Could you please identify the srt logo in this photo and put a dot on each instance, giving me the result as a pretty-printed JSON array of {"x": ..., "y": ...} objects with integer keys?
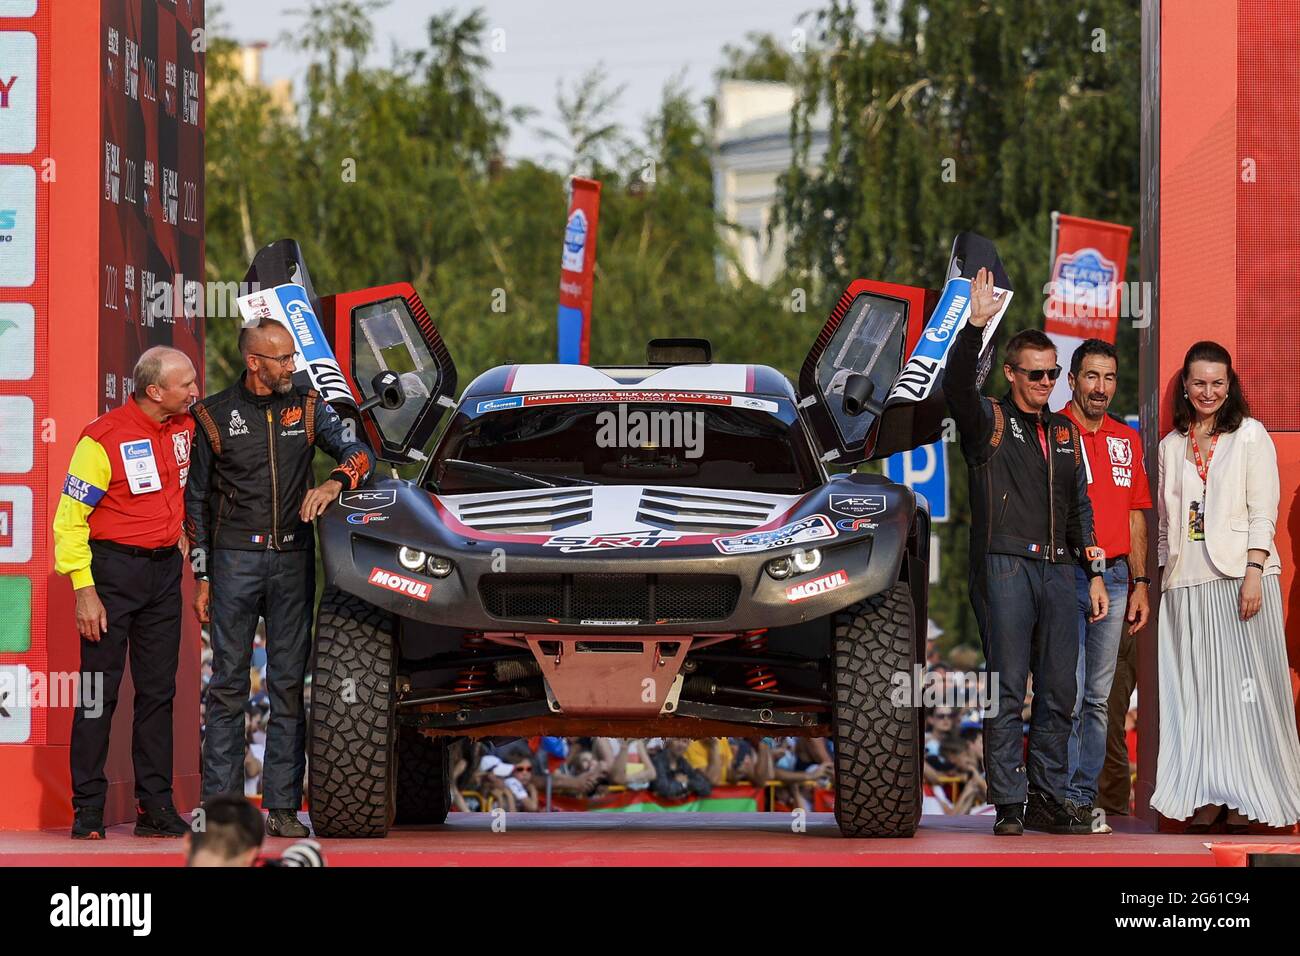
[
  {"x": 5, "y": 87},
  {"x": 570, "y": 543}
]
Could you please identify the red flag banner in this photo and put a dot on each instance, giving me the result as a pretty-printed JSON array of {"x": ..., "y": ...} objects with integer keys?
[
  {"x": 577, "y": 265},
  {"x": 1084, "y": 294}
]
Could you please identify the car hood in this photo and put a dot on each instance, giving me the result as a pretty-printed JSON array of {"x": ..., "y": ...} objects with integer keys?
[{"x": 607, "y": 509}]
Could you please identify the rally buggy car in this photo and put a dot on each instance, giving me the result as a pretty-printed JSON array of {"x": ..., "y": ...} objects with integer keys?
[{"x": 655, "y": 550}]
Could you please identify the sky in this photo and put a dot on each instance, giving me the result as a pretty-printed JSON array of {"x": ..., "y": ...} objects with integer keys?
[{"x": 642, "y": 43}]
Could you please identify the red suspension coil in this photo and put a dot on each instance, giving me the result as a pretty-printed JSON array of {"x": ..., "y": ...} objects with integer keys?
[
  {"x": 759, "y": 676},
  {"x": 473, "y": 676}
]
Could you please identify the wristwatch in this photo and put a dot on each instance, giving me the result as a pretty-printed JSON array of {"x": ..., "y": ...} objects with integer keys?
[{"x": 1142, "y": 579}]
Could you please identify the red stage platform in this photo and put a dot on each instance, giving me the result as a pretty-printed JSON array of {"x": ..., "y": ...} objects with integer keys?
[{"x": 669, "y": 839}]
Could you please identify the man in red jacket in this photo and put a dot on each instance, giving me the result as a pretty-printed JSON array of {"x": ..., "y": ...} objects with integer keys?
[{"x": 117, "y": 532}]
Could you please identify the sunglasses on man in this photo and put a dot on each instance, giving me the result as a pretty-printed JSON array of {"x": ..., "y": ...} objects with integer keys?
[{"x": 1036, "y": 374}]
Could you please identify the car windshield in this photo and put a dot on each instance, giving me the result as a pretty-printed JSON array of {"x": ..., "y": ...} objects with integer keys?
[{"x": 608, "y": 443}]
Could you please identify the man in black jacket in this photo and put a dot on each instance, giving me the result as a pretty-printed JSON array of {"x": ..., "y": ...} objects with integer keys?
[
  {"x": 1031, "y": 524},
  {"x": 249, "y": 506}
]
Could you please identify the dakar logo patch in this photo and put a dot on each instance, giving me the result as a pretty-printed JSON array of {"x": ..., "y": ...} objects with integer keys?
[
  {"x": 237, "y": 424},
  {"x": 291, "y": 416}
]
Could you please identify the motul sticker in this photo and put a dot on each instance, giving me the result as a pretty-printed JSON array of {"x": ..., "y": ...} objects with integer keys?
[
  {"x": 399, "y": 583},
  {"x": 827, "y": 582}
]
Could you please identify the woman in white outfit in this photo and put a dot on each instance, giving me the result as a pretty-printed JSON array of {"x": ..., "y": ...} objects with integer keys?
[{"x": 1228, "y": 746}]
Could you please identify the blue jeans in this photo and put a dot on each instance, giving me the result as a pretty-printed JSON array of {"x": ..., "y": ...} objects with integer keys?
[
  {"x": 1026, "y": 621},
  {"x": 1098, "y": 652}
]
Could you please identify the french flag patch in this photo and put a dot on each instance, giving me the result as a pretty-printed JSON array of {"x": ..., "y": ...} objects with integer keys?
[
  {"x": 261, "y": 538},
  {"x": 1035, "y": 548}
]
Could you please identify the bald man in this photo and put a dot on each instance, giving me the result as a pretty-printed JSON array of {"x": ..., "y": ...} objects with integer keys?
[
  {"x": 117, "y": 533},
  {"x": 249, "y": 509}
]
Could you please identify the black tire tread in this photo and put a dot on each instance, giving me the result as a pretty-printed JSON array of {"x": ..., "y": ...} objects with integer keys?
[
  {"x": 352, "y": 750},
  {"x": 877, "y": 745},
  {"x": 423, "y": 779}
]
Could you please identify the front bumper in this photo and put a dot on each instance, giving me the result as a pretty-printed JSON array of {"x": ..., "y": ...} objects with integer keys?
[{"x": 854, "y": 566}]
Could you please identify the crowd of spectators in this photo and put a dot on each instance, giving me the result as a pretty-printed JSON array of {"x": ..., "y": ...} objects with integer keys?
[{"x": 523, "y": 775}]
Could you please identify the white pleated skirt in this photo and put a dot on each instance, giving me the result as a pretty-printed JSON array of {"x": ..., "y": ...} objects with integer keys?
[{"x": 1227, "y": 717}]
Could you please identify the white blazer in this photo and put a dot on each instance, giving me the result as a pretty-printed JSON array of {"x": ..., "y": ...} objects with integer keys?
[{"x": 1241, "y": 500}]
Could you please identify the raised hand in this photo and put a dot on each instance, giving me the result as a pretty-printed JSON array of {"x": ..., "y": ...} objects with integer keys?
[{"x": 983, "y": 300}]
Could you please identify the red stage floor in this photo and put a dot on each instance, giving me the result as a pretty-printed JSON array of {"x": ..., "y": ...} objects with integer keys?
[{"x": 668, "y": 839}]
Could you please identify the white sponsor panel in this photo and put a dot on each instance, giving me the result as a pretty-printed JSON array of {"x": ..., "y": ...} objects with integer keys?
[
  {"x": 17, "y": 341},
  {"x": 17, "y": 226},
  {"x": 15, "y": 524},
  {"x": 15, "y": 704},
  {"x": 812, "y": 528},
  {"x": 17, "y": 92},
  {"x": 808, "y": 589},
  {"x": 16, "y": 422},
  {"x": 17, "y": 8}
]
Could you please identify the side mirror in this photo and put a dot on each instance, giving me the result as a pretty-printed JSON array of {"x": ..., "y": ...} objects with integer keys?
[
  {"x": 388, "y": 393},
  {"x": 858, "y": 390}
]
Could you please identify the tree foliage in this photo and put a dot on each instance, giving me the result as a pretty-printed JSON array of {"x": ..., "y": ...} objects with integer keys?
[{"x": 395, "y": 171}]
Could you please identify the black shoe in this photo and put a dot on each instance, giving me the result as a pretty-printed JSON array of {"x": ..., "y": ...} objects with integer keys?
[
  {"x": 88, "y": 823},
  {"x": 1096, "y": 820},
  {"x": 285, "y": 823},
  {"x": 1010, "y": 821},
  {"x": 1048, "y": 815},
  {"x": 162, "y": 822}
]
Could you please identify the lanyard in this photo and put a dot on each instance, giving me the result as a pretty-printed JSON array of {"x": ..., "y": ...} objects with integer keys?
[{"x": 1202, "y": 467}]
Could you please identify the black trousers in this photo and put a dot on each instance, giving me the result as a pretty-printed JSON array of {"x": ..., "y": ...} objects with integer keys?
[
  {"x": 142, "y": 599},
  {"x": 278, "y": 586},
  {"x": 1027, "y": 615}
]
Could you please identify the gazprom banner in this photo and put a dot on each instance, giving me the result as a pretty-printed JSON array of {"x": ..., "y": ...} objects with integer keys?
[
  {"x": 289, "y": 305},
  {"x": 577, "y": 263}
]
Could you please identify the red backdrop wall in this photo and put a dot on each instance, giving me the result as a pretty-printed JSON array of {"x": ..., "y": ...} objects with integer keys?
[
  {"x": 121, "y": 112},
  {"x": 1223, "y": 214}
]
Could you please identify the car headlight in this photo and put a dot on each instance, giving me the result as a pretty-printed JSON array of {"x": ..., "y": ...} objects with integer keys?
[
  {"x": 805, "y": 561},
  {"x": 780, "y": 568},
  {"x": 439, "y": 566},
  {"x": 411, "y": 559}
]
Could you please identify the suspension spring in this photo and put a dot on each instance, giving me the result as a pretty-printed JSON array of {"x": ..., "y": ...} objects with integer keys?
[
  {"x": 473, "y": 676},
  {"x": 759, "y": 676}
]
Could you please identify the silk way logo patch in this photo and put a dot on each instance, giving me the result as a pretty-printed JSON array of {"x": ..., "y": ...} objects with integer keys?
[
  {"x": 575, "y": 242},
  {"x": 1085, "y": 277}
]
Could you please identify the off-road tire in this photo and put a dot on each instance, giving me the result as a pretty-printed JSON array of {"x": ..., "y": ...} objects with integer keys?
[
  {"x": 352, "y": 735},
  {"x": 878, "y": 745},
  {"x": 423, "y": 778}
]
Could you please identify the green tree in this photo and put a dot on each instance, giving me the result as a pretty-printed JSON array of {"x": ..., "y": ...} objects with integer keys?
[{"x": 982, "y": 116}]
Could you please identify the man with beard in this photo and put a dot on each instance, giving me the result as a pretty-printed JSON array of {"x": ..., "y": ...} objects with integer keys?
[
  {"x": 249, "y": 508},
  {"x": 1118, "y": 490}
]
